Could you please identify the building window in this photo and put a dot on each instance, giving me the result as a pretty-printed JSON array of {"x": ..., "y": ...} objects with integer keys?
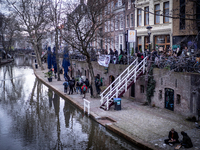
[
  {"x": 112, "y": 6},
  {"x": 108, "y": 8},
  {"x": 131, "y": 20},
  {"x": 139, "y": 17},
  {"x": 182, "y": 14},
  {"x": 121, "y": 22},
  {"x": 111, "y": 43},
  {"x": 119, "y": 2},
  {"x": 116, "y": 23},
  {"x": 160, "y": 94},
  {"x": 162, "y": 42},
  {"x": 108, "y": 24},
  {"x": 146, "y": 16},
  {"x": 178, "y": 100},
  {"x": 112, "y": 25},
  {"x": 166, "y": 12},
  {"x": 161, "y": 81},
  {"x": 139, "y": 40},
  {"x": 116, "y": 42},
  {"x": 157, "y": 12},
  {"x": 127, "y": 21},
  {"x": 120, "y": 41},
  {"x": 141, "y": 88},
  {"x": 106, "y": 28},
  {"x": 129, "y": 4},
  {"x": 105, "y": 40}
]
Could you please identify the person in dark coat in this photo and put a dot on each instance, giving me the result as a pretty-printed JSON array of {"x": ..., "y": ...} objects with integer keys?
[
  {"x": 172, "y": 137},
  {"x": 77, "y": 86},
  {"x": 87, "y": 83},
  {"x": 97, "y": 84},
  {"x": 111, "y": 55},
  {"x": 116, "y": 56},
  {"x": 186, "y": 141},
  {"x": 65, "y": 85},
  {"x": 71, "y": 85},
  {"x": 120, "y": 58}
]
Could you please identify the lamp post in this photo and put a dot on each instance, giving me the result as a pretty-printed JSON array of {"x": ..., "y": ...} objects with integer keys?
[{"x": 149, "y": 33}]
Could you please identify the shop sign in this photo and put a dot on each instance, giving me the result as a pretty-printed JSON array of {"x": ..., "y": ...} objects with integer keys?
[{"x": 132, "y": 36}]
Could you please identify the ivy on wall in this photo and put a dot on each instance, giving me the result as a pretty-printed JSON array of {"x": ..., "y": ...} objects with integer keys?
[{"x": 151, "y": 84}]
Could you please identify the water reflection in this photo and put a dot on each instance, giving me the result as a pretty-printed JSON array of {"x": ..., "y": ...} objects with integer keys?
[{"x": 32, "y": 116}]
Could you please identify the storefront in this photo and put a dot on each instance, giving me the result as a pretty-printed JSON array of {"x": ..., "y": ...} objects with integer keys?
[{"x": 162, "y": 42}]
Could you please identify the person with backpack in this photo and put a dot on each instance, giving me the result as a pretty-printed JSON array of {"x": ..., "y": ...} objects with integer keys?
[
  {"x": 87, "y": 83},
  {"x": 65, "y": 85},
  {"x": 84, "y": 89}
]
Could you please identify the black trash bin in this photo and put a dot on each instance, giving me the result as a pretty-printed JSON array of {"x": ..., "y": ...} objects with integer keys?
[{"x": 117, "y": 102}]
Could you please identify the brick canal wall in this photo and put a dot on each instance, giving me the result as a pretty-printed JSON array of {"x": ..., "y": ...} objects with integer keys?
[{"x": 185, "y": 86}]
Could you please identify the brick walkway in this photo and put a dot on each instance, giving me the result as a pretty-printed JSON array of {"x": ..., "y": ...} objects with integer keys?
[{"x": 145, "y": 126}]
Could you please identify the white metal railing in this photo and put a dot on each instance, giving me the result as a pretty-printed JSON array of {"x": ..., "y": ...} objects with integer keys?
[
  {"x": 87, "y": 104},
  {"x": 122, "y": 81}
]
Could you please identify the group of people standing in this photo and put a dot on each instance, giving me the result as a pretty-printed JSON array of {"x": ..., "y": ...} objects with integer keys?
[
  {"x": 81, "y": 86},
  {"x": 71, "y": 85},
  {"x": 115, "y": 57},
  {"x": 174, "y": 138}
]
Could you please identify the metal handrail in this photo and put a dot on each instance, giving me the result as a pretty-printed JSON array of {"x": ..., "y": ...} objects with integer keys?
[
  {"x": 127, "y": 69},
  {"x": 137, "y": 68}
]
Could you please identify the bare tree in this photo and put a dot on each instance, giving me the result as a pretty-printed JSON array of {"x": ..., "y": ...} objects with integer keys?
[
  {"x": 31, "y": 15},
  {"x": 83, "y": 26},
  {"x": 8, "y": 32},
  {"x": 56, "y": 14}
]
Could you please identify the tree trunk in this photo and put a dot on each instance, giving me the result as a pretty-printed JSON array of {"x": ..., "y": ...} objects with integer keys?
[
  {"x": 92, "y": 77},
  {"x": 57, "y": 56},
  {"x": 38, "y": 56}
]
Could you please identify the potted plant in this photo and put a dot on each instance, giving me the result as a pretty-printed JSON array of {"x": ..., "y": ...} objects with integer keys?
[{"x": 49, "y": 75}]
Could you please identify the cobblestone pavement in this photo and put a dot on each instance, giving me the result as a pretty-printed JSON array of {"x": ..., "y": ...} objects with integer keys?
[{"x": 145, "y": 126}]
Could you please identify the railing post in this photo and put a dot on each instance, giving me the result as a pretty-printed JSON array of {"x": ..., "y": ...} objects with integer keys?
[
  {"x": 128, "y": 69},
  {"x": 87, "y": 104},
  {"x": 101, "y": 101},
  {"x": 117, "y": 91},
  {"x": 143, "y": 66},
  {"x": 137, "y": 62},
  {"x": 126, "y": 85},
  {"x": 107, "y": 103},
  {"x": 135, "y": 72}
]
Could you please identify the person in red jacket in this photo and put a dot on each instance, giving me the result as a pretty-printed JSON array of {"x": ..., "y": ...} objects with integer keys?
[{"x": 84, "y": 89}]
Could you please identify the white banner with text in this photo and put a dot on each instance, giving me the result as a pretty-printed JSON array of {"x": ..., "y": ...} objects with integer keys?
[{"x": 104, "y": 60}]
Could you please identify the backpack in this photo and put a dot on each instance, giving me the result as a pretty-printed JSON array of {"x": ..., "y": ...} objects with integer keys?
[
  {"x": 71, "y": 83},
  {"x": 84, "y": 88},
  {"x": 65, "y": 84}
]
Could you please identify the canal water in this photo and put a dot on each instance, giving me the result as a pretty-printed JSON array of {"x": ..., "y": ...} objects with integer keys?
[{"x": 33, "y": 117}]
